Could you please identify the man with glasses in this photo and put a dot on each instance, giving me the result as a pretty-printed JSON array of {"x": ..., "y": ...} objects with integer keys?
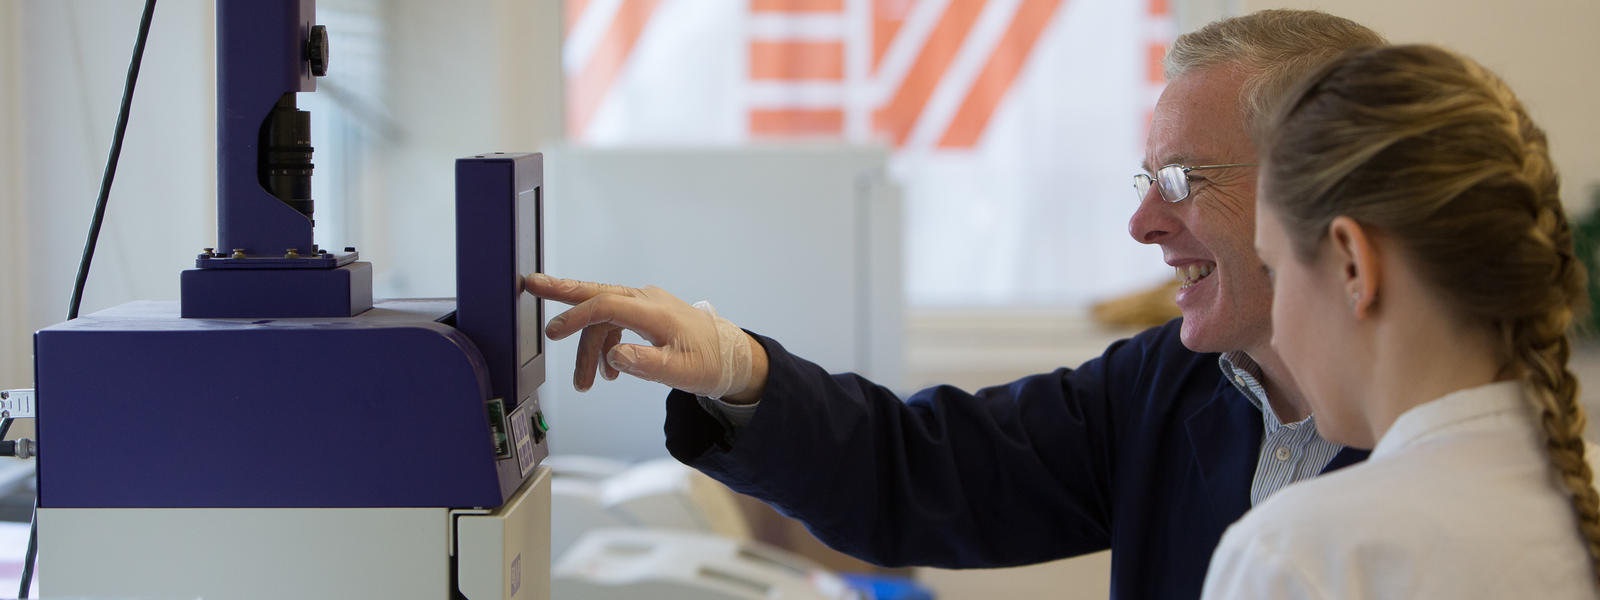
[{"x": 1151, "y": 450}]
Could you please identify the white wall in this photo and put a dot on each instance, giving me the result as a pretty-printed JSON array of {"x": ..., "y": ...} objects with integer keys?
[
  {"x": 15, "y": 345},
  {"x": 459, "y": 82},
  {"x": 1545, "y": 49},
  {"x": 73, "y": 58},
  {"x": 796, "y": 241}
]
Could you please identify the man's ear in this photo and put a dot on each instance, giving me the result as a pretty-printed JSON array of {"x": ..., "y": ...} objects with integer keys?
[{"x": 1355, "y": 254}]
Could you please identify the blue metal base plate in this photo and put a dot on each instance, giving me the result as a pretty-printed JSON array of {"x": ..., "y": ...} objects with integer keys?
[{"x": 277, "y": 293}]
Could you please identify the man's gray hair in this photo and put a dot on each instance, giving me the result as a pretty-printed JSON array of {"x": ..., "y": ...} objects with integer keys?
[{"x": 1274, "y": 48}]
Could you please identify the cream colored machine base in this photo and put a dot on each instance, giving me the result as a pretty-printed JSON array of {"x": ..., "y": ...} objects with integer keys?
[{"x": 301, "y": 553}]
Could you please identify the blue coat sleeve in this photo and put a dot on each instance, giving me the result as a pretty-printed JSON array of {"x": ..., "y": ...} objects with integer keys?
[{"x": 1010, "y": 475}]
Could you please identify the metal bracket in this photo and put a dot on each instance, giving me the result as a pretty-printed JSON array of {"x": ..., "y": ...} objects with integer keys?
[
  {"x": 322, "y": 259},
  {"x": 17, "y": 404}
]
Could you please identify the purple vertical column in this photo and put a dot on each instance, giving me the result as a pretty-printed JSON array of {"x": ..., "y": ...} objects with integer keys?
[{"x": 261, "y": 55}]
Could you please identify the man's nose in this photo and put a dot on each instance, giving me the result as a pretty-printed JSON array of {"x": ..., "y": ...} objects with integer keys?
[{"x": 1155, "y": 219}]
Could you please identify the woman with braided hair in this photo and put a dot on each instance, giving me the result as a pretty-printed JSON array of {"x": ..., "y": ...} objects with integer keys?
[{"x": 1424, "y": 281}]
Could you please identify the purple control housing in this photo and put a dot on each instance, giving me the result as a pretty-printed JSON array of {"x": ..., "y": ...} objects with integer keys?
[{"x": 500, "y": 205}]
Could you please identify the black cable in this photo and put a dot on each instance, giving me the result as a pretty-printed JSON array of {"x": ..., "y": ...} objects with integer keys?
[
  {"x": 111, "y": 162},
  {"x": 88, "y": 246},
  {"x": 33, "y": 550}
]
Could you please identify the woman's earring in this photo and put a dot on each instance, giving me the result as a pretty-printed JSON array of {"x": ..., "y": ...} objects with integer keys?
[{"x": 1355, "y": 298}]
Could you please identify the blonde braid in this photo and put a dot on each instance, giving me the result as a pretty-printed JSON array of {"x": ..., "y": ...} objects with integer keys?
[
  {"x": 1541, "y": 345},
  {"x": 1540, "y": 348}
]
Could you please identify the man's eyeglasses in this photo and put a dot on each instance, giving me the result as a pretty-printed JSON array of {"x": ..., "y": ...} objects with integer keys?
[{"x": 1173, "y": 180}]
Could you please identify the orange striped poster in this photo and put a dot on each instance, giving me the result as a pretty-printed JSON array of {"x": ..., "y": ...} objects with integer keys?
[{"x": 1015, "y": 124}]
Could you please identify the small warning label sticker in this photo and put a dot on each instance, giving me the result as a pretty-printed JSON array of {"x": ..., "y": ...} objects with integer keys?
[
  {"x": 522, "y": 436},
  {"x": 516, "y": 574}
]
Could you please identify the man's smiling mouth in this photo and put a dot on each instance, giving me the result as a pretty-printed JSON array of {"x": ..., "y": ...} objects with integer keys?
[{"x": 1193, "y": 272}]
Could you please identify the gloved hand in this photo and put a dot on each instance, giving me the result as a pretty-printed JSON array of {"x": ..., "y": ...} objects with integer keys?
[{"x": 692, "y": 349}]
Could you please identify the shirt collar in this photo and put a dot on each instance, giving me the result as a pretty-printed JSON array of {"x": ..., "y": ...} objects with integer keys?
[
  {"x": 1245, "y": 375},
  {"x": 1451, "y": 411}
]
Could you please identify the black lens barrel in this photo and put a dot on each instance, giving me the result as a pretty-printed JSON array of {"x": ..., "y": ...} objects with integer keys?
[{"x": 285, "y": 163}]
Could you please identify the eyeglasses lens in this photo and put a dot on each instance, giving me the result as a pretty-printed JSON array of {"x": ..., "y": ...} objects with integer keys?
[{"x": 1174, "y": 183}]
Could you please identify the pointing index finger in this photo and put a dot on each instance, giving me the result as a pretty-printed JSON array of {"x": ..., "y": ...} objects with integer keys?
[
  {"x": 571, "y": 291},
  {"x": 638, "y": 315}
]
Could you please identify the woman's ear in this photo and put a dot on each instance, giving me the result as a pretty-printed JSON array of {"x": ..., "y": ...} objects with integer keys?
[{"x": 1355, "y": 253}]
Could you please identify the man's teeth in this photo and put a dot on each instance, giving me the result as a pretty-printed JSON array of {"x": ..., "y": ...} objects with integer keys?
[{"x": 1193, "y": 272}]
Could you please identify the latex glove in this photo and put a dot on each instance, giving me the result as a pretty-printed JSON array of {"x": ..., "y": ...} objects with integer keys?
[{"x": 691, "y": 348}]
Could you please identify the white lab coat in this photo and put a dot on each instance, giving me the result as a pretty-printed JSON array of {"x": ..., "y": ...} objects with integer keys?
[{"x": 1456, "y": 501}]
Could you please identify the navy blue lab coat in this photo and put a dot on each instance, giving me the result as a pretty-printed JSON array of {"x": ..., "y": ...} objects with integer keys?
[{"x": 1146, "y": 450}]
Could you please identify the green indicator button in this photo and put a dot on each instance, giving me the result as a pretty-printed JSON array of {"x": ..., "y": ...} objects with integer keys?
[{"x": 538, "y": 419}]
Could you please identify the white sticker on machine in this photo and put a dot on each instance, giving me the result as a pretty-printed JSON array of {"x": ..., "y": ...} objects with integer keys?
[{"x": 522, "y": 436}]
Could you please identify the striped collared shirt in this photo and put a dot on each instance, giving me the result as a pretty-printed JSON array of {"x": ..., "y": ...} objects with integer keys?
[{"x": 1289, "y": 452}]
